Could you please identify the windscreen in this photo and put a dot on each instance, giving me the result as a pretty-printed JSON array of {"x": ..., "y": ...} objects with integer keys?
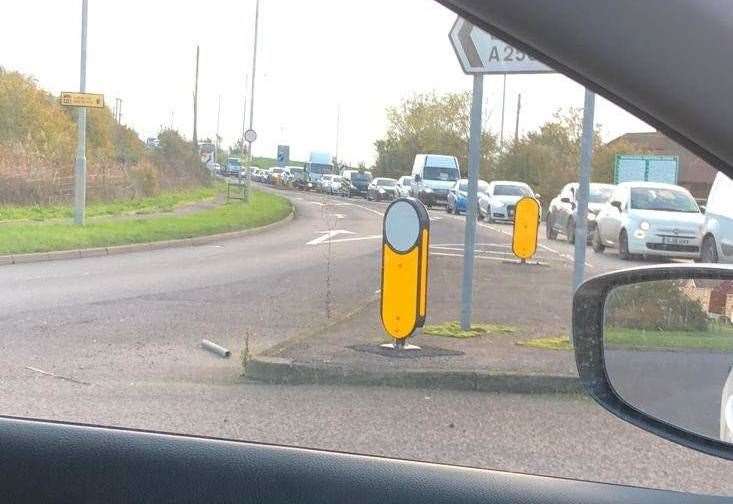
[
  {"x": 511, "y": 190},
  {"x": 662, "y": 199},
  {"x": 440, "y": 173},
  {"x": 176, "y": 298}
]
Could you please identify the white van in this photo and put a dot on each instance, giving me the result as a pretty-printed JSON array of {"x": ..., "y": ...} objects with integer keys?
[
  {"x": 432, "y": 177},
  {"x": 717, "y": 230}
]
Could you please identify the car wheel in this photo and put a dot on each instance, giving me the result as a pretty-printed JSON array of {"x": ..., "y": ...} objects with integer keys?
[
  {"x": 598, "y": 246},
  {"x": 709, "y": 250},
  {"x": 623, "y": 246},
  {"x": 488, "y": 215},
  {"x": 478, "y": 213},
  {"x": 570, "y": 231},
  {"x": 550, "y": 228},
  {"x": 447, "y": 208}
]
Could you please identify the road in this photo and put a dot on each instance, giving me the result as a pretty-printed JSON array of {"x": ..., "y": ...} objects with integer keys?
[{"x": 121, "y": 335}]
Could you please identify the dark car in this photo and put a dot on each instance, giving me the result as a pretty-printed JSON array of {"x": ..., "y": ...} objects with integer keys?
[
  {"x": 561, "y": 214},
  {"x": 382, "y": 188},
  {"x": 355, "y": 183}
]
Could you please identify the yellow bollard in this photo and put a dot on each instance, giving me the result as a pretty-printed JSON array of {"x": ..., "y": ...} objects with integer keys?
[
  {"x": 405, "y": 244},
  {"x": 526, "y": 227}
]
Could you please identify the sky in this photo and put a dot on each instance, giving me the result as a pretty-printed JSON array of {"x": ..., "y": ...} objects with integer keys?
[{"x": 317, "y": 61}]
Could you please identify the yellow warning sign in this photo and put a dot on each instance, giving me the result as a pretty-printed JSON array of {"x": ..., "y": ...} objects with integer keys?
[
  {"x": 526, "y": 226},
  {"x": 89, "y": 100}
]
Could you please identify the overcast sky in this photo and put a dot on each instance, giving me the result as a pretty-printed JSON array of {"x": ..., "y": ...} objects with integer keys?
[{"x": 313, "y": 57}]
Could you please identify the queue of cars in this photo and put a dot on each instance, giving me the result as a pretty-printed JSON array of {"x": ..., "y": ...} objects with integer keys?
[{"x": 637, "y": 218}]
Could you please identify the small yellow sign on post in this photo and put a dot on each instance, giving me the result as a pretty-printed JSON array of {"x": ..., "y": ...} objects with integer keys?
[
  {"x": 405, "y": 244},
  {"x": 88, "y": 100},
  {"x": 526, "y": 227}
]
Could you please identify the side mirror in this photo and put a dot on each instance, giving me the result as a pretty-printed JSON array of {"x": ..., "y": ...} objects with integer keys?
[
  {"x": 653, "y": 346},
  {"x": 538, "y": 196},
  {"x": 702, "y": 208},
  {"x": 418, "y": 177},
  {"x": 565, "y": 200},
  {"x": 616, "y": 204}
]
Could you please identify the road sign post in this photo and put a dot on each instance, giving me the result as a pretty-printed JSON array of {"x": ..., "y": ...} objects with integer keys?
[
  {"x": 469, "y": 241},
  {"x": 405, "y": 246},
  {"x": 586, "y": 156},
  {"x": 480, "y": 53}
]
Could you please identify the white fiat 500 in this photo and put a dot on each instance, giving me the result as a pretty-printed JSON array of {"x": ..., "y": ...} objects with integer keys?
[{"x": 650, "y": 219}]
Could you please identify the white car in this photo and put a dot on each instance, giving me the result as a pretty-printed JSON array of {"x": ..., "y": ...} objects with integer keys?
[
  {"x": 726, "y": 409},
  {"x": 333, "y": 185},
  {"x": 404, "y": 189},
  {"x": 650, "y": 218},
  {"x": 498, "y": 201},
  {"x": 717, "y": 229}
]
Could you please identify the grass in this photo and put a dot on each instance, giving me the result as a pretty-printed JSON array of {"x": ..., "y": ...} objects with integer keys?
[
  {"x": 549, "y": 343},
  {"x": 714, "y": 338},
  {"x": 164, "y": 202},
  {"x": 453, "y": 330},
  {"x": 26, "y": 237}
]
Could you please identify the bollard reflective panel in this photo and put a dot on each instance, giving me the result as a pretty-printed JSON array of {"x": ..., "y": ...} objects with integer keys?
[
  {"x": 526, "y": 226},
  {"x": 405, "y": 244}
]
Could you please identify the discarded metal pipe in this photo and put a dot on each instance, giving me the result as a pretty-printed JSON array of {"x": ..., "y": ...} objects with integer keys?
[{"x": 213, "y": 347}]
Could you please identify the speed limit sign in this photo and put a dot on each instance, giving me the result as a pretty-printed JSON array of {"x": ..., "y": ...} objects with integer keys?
[{"x": 250, "y": 135}]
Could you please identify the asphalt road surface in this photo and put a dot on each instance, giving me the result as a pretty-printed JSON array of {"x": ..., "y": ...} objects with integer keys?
[{"x": 115, "y": 340}]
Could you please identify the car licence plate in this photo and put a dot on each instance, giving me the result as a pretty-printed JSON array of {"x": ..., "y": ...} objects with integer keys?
[{"x": 675, "y": 241}]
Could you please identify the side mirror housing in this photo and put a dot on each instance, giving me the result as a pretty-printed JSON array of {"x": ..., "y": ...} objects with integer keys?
[
  {"x": 616, "y": 204},
  {"x": 702, "y": 208},
  {"x": 677, "y": 385},
  {"x": 418, "y": 177},
  {"x": 565, "y": 200}
]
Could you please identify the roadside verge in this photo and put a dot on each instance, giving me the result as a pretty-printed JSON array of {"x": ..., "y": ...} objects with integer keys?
[{"x": 76, "y": 253}]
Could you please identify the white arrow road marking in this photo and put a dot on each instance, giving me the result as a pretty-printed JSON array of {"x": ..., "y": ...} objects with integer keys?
[
  {"x": 339, "y": 216},
  {"x": 327, "y": 235}
]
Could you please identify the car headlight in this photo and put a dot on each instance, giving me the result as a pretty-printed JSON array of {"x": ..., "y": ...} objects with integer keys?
[
  {"x": 427, "y": 190},
  {"x": 591, "y": 216},
  {"x": 381, "y": 190},
  {"x": 499, "y": 204},
  {"x": 644, "y": 226}
]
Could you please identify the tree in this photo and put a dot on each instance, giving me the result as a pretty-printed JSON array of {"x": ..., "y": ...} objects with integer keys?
[
  {"x": 429, "y": 123},
  {"x": 549, "y": 158}
]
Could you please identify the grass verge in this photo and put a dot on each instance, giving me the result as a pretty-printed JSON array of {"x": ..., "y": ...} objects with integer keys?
[
  {"x": 720, "y": 339},
  {"x": 164, "y": 202},
  {"x": 453, "y": 330},
  {"x": 26, "y": 237}
]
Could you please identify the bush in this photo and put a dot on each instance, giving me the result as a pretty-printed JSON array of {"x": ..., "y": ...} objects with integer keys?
[{"x": 659, "y": 305}]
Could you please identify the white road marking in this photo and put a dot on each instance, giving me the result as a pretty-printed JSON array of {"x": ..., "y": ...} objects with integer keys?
[
  {"x": 341, "y": 240},
  {"x": 339, "y": 216},
  {"x": 446, "y": 254},
  {"x": 366, "y": 208},
  {"x": 327, "y": 235},
  {"x": 317, "y": 203}
]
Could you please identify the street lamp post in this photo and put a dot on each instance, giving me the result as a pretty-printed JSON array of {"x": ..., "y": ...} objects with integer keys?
[{"x": 80, "y": 165}]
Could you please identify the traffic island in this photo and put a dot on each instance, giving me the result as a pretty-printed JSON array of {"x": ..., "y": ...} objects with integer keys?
[{"x": 348, "y": 353}]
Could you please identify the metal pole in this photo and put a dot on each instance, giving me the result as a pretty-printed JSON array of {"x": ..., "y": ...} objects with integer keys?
[
  {"x": 338, "y": 128},
  {"x": 196, "y": 103},
  {"x": 503, "y": 105},
  {"x": 474, "y": 155},
  {"x": 581, "y": 220},
  {"x": 218, "y": 117},
  {"x": 516, "y": 126},
  {"x": 80, "y": 167},
  {"x": 252, "y": 95}
]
